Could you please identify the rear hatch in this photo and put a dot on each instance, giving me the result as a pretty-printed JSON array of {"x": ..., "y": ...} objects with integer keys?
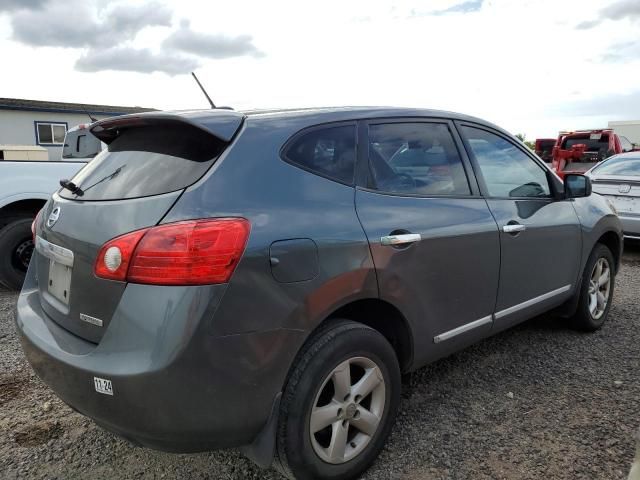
[
  {"x": 150, "y": 160},
  {"x": 624, "y": 192}
]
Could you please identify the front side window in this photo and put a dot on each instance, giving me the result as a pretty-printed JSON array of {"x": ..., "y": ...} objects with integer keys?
[
  {"x": 329, "y": 152},
  {"x": 50, "y": 133},
  {"x": 415, "y": 159},
  {"x": 507, "y": 170}
]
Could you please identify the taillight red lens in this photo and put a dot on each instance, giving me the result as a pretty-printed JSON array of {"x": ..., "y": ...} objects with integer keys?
[
  {"x": 108, "y": 265},
  {"x": 34, "y": 224},
  {"x": 196, "y": 252}
]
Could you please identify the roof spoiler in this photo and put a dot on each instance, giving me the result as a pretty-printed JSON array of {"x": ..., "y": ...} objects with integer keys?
[{"x": 222, "y": 124}]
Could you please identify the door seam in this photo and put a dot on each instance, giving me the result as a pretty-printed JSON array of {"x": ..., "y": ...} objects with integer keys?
[{"x": 373, "y": 262}]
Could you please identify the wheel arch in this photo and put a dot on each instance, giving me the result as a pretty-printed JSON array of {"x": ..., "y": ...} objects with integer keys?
[
  {"x": 383, "y": 317},
  {"x": 23, "y": 206},
  {"x": 613, "y": 242}
]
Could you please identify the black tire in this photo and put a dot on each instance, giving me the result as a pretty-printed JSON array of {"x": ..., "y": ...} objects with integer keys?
[
  {"x": 16, "y": 245},
  {"x": 340, "y": 341},
  {"x": 583, "y": 319}
]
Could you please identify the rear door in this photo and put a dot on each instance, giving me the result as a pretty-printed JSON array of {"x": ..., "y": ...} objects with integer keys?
[
  {"x": 129, "y": 186},
  {"x": 540, "y": 237},
  {"x": 434, "y": 242}
]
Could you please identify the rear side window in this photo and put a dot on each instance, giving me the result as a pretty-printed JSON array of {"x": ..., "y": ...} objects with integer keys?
[
  {"x": 147, "y": 160},
  {"x": 329, "y": 152},
  {"x": 416, "y": 159}
]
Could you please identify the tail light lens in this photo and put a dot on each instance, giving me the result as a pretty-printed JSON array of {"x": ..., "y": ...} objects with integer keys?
[
  {"x": 196, "y": 252},
  {"x": 34, "y": 224},
  {"x": 115, "y": 256}
]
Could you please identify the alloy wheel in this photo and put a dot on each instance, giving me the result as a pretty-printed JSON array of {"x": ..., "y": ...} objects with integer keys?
[
  {"x": 599, "y": 288},
  {"x": 347, "y": 410}
]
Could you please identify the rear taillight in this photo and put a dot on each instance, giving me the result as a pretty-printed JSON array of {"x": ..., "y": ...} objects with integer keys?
[
  {"x": 195, "y": 252},
  {"x": 34, "y": 224},
  {"x": 115, "y": 256}
]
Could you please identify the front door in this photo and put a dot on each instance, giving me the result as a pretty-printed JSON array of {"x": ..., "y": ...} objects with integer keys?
[
  {"x": 434, "y": 241},
  {"x": 540, "y": 237}
]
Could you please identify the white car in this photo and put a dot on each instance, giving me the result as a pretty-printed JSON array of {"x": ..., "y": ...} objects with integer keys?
[{"x": 618, "y": 179}]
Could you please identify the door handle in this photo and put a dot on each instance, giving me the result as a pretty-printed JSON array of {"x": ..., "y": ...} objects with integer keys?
[
  {"x": 514, "y": 228},
  {"x": 402, "y": 239}
]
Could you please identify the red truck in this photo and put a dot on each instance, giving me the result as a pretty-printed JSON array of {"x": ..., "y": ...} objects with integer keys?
[{"x": 578, "y": 151}]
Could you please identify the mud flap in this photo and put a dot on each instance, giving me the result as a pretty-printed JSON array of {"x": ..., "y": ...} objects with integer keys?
[{"x": 263, "y": 448}]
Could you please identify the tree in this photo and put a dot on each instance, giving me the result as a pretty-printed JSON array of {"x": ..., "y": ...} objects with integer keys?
[{"x": 523, "y": 138}]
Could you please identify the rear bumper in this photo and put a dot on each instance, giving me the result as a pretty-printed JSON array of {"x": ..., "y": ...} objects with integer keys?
[
  {"x": 630, "y": 226},
  {"x": 176, "y": 387}
]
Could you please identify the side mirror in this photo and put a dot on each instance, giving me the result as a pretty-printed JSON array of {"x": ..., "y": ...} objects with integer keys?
[{"x": 576, "y": 186}]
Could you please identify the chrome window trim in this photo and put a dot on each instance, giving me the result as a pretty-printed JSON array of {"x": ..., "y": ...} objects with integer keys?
[
  {"x": 531, "y": 302},
  {"x": 54, "y": 252},
  {"x": 462, "y": 329}
]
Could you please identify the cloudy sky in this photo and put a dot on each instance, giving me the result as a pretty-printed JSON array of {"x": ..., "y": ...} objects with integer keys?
[{"x": 532, "y": 66}]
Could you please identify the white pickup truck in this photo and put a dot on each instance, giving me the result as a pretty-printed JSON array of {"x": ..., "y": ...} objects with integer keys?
[{"x": 25, "y": 186}]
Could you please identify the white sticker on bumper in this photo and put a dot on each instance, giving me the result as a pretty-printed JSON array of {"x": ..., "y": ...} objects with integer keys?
[{"x": 103, "y": 386}]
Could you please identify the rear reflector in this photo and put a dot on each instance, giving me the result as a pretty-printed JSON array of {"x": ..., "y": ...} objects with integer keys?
[{"x": 195, "y": 252}]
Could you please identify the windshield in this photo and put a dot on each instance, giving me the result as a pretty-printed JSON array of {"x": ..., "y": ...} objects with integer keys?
[{"x": 620, "y": 166}]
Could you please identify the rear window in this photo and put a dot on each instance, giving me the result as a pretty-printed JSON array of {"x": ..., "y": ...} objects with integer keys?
[
  {"x": 620, "y": 166},
  {"x": 329, "y": 152},
  {"x": 80, "y": 144},
  {"x": 594, "y": 142},
  {"x": 147, "y": 160}
]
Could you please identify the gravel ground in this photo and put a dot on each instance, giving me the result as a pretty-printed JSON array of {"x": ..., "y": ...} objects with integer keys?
[{"x": 539, "y": 401}]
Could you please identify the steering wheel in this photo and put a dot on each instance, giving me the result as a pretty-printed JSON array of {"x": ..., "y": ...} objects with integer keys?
[{"x": 406, "y": 180}]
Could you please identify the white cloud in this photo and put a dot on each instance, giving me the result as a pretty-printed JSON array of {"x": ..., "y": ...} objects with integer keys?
[
  {"x": 75, "y": 24},
  {"x": 522, "y": 65},
  {"x": 13, "y": 5},
  {"x": 135, "y": 60},
  {"x": 210, "y": 45},
  {"x": 619, "y": 10}
]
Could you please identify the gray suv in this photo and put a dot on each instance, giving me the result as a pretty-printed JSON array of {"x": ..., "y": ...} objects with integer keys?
[{"x": 262, "y": 279}]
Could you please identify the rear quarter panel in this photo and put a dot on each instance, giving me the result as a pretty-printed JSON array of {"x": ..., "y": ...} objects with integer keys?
[{"x": 282, "y": 202}]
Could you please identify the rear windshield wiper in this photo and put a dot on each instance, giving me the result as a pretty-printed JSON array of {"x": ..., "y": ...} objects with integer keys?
[
  {"x": 76, "y": 190},
  {"x": 72, "y": 187}
]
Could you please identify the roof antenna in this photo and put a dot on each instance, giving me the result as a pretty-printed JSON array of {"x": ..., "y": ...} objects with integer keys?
[
  {"x": 89, "y": 115},
  {"x": 203, "y": 90}
]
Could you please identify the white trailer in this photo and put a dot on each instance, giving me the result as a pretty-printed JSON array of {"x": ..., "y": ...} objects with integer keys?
[
  {"x": 629, "y": 129},
  {"x": 23, "y": 152}
]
